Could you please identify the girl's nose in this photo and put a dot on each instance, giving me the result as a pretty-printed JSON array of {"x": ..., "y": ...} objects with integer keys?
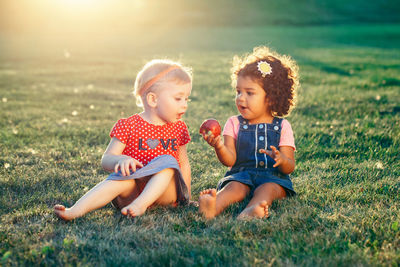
[
  {"x": 185, "y": 105},
  {"x": 240, "y": 97}
]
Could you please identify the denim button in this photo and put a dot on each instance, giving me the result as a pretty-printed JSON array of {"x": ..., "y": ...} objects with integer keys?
[
  {"x": 261, "y": 126},
  {"x": 261, "y": 138},
  {"x": 261, "y": 163},
  {"x": 245, "y": 126},
  {"x": 276, "y": 128}
]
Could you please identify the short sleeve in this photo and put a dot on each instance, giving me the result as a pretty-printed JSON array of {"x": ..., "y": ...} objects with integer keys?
[
  {"x": 121, "y": 130},
  {"x": 184, "y": 134},
  {"x": 231, "y": 127},
  {"x": 287, "y": 138}
]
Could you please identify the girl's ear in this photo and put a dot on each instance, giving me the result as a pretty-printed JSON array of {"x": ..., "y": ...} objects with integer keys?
[{"x": 151, "y": 99}]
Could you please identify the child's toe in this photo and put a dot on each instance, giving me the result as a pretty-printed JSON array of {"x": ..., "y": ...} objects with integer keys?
[
  {"x": 131, "y": 213},
  {"x": 266, "y": 211},
  {"x": 213, "y": 192},
  {"x": 124, "y": 211},
  {"x": 205, "y": 192},
  {"x": 59, "y": 207}
]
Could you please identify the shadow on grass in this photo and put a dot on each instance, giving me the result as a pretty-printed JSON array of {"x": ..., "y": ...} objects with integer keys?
[
  {"x": 393, "y": 111},
  {"x": 391, "y": 82},
  {"x": 323, "y": 66}
]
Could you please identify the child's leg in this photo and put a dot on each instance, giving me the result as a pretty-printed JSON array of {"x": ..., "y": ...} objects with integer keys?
[
  {"x": 262, "y": 199},
  {"x": 212, "y": 203},
  {"x": 160, "y": 188},
  {"x": 97, "y": 197},
  {"x": 126, "y": 198}
]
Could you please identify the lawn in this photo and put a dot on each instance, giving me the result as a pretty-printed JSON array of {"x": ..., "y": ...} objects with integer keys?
[{"x": 60, "y": 98}]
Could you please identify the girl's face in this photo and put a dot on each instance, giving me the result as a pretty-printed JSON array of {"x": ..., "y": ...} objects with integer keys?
[
  {"x": 251, "y": 101},
  {"x": 172, "y": 101}
]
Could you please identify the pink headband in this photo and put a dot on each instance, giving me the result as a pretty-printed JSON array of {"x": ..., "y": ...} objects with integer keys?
[{"x": 156, "y": 78}]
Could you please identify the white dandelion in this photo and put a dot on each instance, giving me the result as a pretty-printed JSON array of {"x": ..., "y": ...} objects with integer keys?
[
  {"x": 74, "y": 113},
  {"x": 379, "y": 165}
]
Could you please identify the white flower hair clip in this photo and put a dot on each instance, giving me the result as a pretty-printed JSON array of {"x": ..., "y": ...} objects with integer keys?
[{"x": 264, "y": 67}]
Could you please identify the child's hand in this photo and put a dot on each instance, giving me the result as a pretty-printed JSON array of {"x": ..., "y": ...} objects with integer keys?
[
  {"x": 275, "y": 155},
  {"x": 215, "y": 142},
  {"x": 126, "y": 164}
]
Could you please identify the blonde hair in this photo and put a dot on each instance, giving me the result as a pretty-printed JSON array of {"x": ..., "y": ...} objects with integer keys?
[
  {"x": 280, "y": 85},
  {"x": 180, "y": 75}
]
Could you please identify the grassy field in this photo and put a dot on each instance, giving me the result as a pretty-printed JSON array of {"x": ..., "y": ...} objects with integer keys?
[{"x": 60, "y": 99}]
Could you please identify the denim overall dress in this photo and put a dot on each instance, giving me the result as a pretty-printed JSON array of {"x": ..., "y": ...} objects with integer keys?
[{"x": 251, "y": 167}]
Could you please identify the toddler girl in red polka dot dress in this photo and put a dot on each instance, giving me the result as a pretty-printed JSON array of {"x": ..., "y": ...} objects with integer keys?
[{"x": 147, "y": 154}]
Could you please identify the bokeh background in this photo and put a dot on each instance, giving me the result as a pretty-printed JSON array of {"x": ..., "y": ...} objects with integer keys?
[
  {"x": 67, "y": 69},
  {"x": 128, "y": 27}
]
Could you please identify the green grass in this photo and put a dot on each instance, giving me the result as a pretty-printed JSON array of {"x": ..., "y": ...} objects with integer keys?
[{"x": 346, "y": 127}]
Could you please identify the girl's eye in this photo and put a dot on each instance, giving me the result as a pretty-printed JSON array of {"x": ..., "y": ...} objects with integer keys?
[{"x": 250, "y": 93}]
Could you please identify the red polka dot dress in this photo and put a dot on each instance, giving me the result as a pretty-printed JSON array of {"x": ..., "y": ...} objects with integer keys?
[{"x": 145, "y": 141}]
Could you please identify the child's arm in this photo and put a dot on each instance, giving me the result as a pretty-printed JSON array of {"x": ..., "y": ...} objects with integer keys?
[
  {"x": 226, "y": 151},
  {"x": 284, "y": 158},
  {"x": 185, "y": 168},
  {"x": 113, "y": 159}
]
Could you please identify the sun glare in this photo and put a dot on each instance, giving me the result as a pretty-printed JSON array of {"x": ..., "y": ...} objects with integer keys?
[
  {"x": 95, "y": 4},
  {"x": 78, "y": 4},
  {"x": 74, "y": 16}
]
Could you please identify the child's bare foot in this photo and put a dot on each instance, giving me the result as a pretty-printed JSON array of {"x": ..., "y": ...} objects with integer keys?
[
  {"x": 207, "y": 202},
  {"x": 259, "y": 210},
  {"x": 133, "y": 210},
  {"x": 63, "y": 213}
]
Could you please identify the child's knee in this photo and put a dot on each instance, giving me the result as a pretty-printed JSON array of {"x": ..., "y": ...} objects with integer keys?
[{"x": 169, "y": 172}]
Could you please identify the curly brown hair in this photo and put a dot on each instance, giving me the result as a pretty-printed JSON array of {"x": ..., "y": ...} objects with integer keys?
[{"x": 280, "y": 86}]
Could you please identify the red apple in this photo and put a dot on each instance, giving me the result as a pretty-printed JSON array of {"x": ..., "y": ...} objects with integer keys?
[{"x": 210, "y": 126}]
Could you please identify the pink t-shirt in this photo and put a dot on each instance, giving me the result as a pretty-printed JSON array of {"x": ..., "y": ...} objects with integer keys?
[{"x": 232, "y": 125}]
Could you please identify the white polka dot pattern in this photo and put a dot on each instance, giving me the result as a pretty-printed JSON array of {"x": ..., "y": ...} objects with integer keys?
[{"x": 145, "y": 141}]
